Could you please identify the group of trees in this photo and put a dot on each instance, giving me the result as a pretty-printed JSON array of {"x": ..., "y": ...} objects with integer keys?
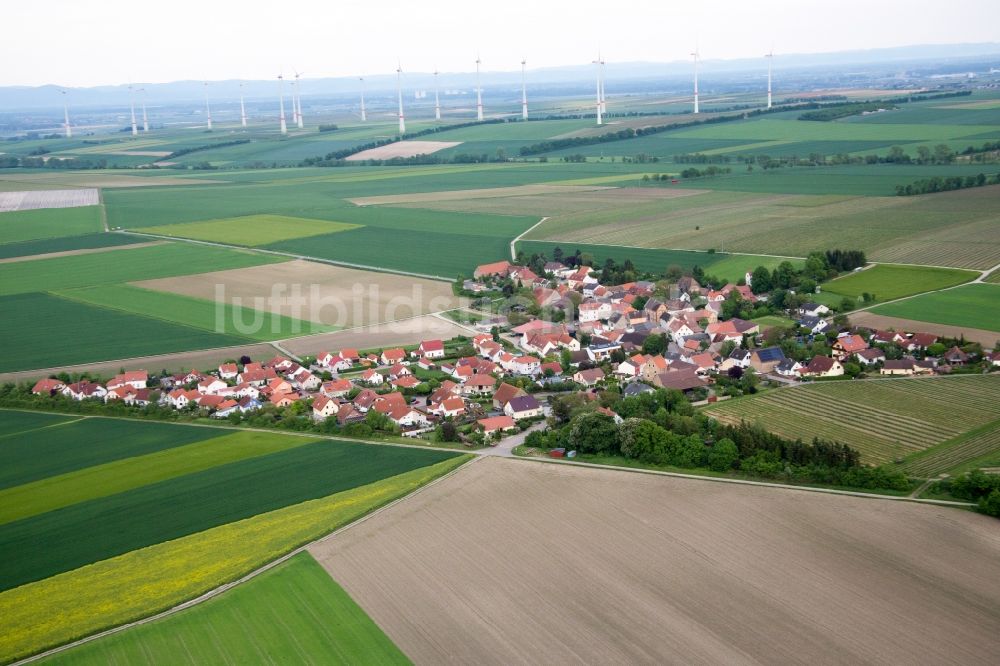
[
  {"x": 208, "y": 146},
  {"x": 946, "y": 184},
  {"x": 13, "y": 162},
  {"x": 692, "y": 172},
  {"x": 701, "y": 158},
  {"x": 662, "y": 428},
  {"x": 979, "y": 487},
  {"x": 844, "y": 110}
]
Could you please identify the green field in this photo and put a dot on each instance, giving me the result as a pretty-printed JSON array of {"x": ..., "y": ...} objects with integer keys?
[
  {"x": 66, "y": 243},
  {"x": 123, "y": 474},
  {"x": 294, "y": 613},
  {"x": 888, "y": 282},
  {"x": 24, "y": 225},
  {"x": 725, "y": 266},
  {"x": 144, "y": 263},
  {"x": 71, "y": 444},
  {"x": 251, "y": 230},
  {"x": 243, "y": 323},
  {"x": 884, "y": 420},
  {"x": 102, "y": 528},
  {"x": 972, "y": 306},
  {"x": 41, "y": 331},
  {"x": 971, "y": 450}
]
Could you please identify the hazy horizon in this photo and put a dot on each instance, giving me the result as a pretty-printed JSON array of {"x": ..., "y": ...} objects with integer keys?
[{"x": 230, "y": 40}]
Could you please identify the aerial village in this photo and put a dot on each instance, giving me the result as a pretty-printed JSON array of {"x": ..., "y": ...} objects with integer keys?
[{"x": 576, "y": 334}]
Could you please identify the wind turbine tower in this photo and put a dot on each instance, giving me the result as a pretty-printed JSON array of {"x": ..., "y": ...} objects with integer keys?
[
  {"x": 297, "y": 102},
  {"x": 364, "y": 116},
  {"x": 243, "y": 108},
  {"x": 696, "y": 57},
  {"x": 770, "y": 57},
  {"x": 479, "y": 92},
  {"x": 524, "y": 92},
  {"x": 145, "y": 118},
  {"x": 281, "y": 103},
  {"x": 399, "y": 94},
  {"x": 131, "y": 102},
  {"x": 437, "y": 96},
  {"x": 69, "y": 129},
  {"x": 600, "y": 119},
  {"x": 208, "y": 110}
]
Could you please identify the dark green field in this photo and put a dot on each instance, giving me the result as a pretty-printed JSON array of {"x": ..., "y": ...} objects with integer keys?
[
  {"x": 65, "y": 243},
  {"x": 24, "y": 225},
  {"x": 99, "y": 529},
  {"x": 28, "y": 454},
  {"x": 41, "y": 331}
]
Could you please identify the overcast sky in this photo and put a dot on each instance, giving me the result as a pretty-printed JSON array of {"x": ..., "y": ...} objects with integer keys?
[{"x": 96, "y": 42}]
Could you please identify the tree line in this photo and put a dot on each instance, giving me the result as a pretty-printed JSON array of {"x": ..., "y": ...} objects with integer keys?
[
  {"x": 946, "y": 184},
  {"x": 208, "y": 146}
]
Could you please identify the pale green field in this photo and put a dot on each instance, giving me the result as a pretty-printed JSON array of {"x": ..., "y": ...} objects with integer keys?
[{"x": 251, "y": 230}]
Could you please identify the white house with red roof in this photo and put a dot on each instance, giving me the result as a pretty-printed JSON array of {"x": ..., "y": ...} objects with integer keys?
[
  {"x": 228, "y": 371},
  {"x": 136, "y": 379},
  {"x": 372, "y": 377},
  {"x": 430, "y": 349}
]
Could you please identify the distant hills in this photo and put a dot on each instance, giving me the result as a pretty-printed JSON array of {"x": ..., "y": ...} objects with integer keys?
[{"x": 926, "y": 59}]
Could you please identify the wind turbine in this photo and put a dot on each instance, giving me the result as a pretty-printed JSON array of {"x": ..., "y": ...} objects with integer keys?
[
  {"x": 399, "y": 94},
  {"x": 208, "y": 110},
  {"x": 69, "y": 129},
  {"x": 131, "y": 102},
  {"x": 281, "y": 103},
  {"x": 696, "y": 57},
  {"x": 600, "y": 120},
  {"x": 437, "y": 96},
  {"x": 604, "y": 100},
  {"x": 297, "y": 102},
  {"x": 524, "y": 92},
  {"x": 243, "y": 108},
  {"x": 364, "y": 116},
  {"x": 770, "y": 57},
  {"x": 479, "y": 92},
  {"x": 145, "y": 118}
]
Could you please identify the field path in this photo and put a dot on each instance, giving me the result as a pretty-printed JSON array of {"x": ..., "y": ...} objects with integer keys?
[
  {"x": 512, "y": 562},
  {"x": 513, "y": 251}
]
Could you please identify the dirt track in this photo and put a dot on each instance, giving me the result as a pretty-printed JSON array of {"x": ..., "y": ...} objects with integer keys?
[
  {"x": 871, "y": 320},
  {"x": 512, "y": 561},
  {"x": 482, "y": 193}
]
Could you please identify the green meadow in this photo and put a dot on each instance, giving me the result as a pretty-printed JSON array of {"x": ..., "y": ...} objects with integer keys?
[
  {"x": 887, "y": 281},
  {"x": 972, "y": 306}
]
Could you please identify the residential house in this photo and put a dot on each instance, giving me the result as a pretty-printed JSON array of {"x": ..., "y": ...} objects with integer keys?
[
  {"x": 392, "y": 356},
  {"x": 847, "y": 345},
  {"x": 633, "y": 389},
  {"x": 813, "y": 310},
  {"x": 430, "y": 349},
  {"x": 738, "y": 358},
  {"x": 338, "y": 388},
  {"x": 84, "y": 390},
  {"x": 788, "y": 368},
  {"x": 903, "y": 366},
  {"x": 523, "y": 407},
  {"x": 686, "y": 379},
  {"x": 335, "y": 362},
  {"x": 211, "y": 385},
  {"x": 478, "y": 384},
  {"x": 505, "y": 393},
  {"x": 766, "y": 359},
  {"x": 496, "y": 424},
  {"x": 228, "y": 371},
  {"x": 48, "y": 387},
  {"x": 588, "y": 377},
  {"x": 956, "y": 356},
  {"x": 870, "y": 356},
  {"x": 813, "y": 324},
  {"x": 372, "y": 377},
  {"x": 920, "y": 341},
  {"x": 449, "y": 407},
  {"x": 822, "y": 366},
  {"x": 136, "y": 379},
  {"x": 525, "y": 365},
  {"x": 594, "y": 311},
  {"x": 497, "y": 268}
]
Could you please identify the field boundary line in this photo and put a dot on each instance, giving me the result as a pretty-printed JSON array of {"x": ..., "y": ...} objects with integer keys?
[
  {"x": 225, "y": 587},
  {"x": 44, "y": 427},
  {"x": 290, "y": 255},
  {"x": 746, "y": 482},
  {"x": 513, "y": 250}
]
